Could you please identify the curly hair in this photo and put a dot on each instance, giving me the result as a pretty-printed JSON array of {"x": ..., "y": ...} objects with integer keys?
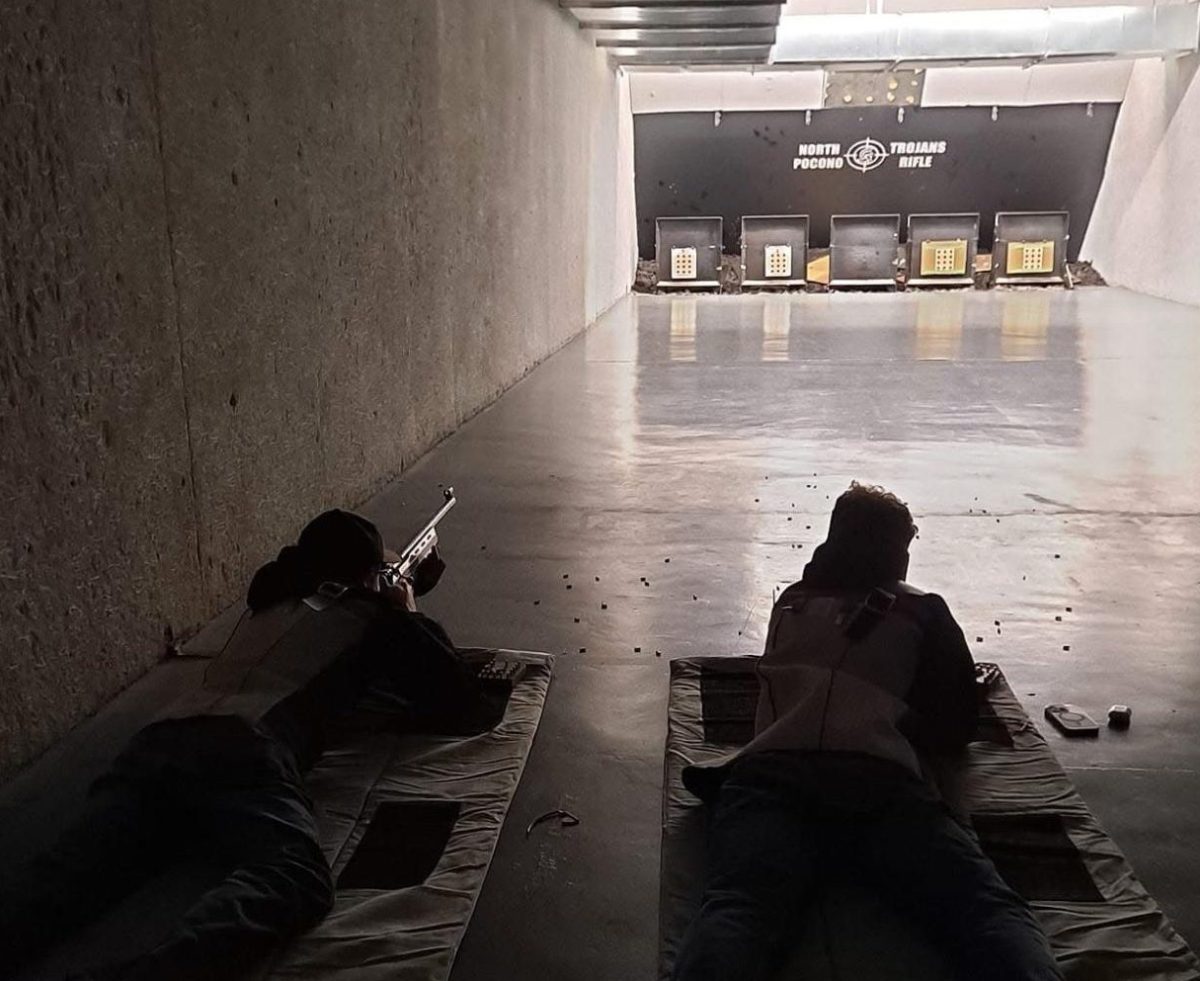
[
  {"x": 867, "y": 509},
  {"x": 869, "y": 533}
]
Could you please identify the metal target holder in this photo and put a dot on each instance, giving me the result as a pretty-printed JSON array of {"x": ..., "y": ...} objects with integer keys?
[
  {"x": 1030, "y": 247},
  {"x": 774, "y": 250},
  {"x": 688, "y": 252},
  {"x": 863, "y": 250},
  {"x": 942, "y": 249}
]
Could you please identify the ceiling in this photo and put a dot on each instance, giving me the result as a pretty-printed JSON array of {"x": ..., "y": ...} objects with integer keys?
[
  {"x": 883, "y": 35},
  {"x": 803, "y": 7},
  {"x": 668, "y": 33}
]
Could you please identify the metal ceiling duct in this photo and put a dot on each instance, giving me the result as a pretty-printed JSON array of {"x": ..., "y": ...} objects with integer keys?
[
  {"x": 681, "y": 33},
  {"x": 691, "y": 37},
  {"x": 987, "y": 37}
]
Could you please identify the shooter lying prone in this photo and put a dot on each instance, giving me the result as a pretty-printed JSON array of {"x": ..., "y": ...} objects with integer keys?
[{"x": 219, "y": 776}]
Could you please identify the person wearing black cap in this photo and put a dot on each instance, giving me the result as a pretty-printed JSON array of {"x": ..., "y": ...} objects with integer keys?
[
  {"x": 218, "y": 777},
  {"x": 860, "y": 674}
]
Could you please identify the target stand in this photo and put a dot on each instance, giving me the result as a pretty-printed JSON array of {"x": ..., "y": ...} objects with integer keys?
[
  {"x": 863, "y": 250},
  {"x": 1030, "y": 247},
  {"x": 774, "y": 250},
  {"x": 942, "y": 249},
  {"x": 688, "y": 252}
]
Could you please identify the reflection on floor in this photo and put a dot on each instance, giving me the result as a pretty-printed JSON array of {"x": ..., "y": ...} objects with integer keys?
[
  {"x": 646, "y": 489},
  {"x": 641, "y": 494}
]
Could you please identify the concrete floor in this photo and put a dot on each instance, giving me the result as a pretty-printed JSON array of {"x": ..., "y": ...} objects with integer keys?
[{"x": 1048, "y": 442}]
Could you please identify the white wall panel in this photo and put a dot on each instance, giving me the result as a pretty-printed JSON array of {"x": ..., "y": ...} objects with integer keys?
[
  {"x": 612, "y": 218},
  {"x": 726, "y": 90},
  {"x": 1144, "y": 232},
  {"x": 1040, "y": 85}
]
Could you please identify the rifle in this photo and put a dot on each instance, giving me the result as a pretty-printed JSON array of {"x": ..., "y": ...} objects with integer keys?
[{"x": 417, "y": 551}]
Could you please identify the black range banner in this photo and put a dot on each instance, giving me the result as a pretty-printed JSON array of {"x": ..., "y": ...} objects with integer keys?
[{"x": 870, "y": 161}]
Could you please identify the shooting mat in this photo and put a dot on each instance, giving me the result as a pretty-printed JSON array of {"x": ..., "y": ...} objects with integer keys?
[
  {"x": 1101, "y": 922},
  {"x": 409, "y": 824}
]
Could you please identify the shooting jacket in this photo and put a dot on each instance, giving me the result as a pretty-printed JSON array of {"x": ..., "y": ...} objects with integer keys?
[
  {"x": 907, "y": 686},
  {"x": 292, "y": 669}
]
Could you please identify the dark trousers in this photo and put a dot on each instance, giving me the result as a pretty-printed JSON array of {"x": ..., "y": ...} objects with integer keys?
[
  {"x": 209, "y": 789},
  {"x": 785, "y": 821}
]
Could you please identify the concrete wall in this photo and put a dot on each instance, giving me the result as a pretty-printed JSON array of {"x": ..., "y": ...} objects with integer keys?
[
  {"x": 1144, "y": 232},
  {"x": 257, "y": 258}
]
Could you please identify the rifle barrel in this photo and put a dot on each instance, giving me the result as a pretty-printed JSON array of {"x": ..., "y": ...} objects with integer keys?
[{"x": 413, "y": 545}]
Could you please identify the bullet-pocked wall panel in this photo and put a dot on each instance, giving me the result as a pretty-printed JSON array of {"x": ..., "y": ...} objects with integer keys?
[
  {"x": 869, "y": 161},
  {"x": 260, "y": 257}
]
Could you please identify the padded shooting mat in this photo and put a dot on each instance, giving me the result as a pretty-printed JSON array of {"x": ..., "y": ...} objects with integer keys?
[
  {"x": 409, "y": 824},
  {"x": 1102, "y": 924}
]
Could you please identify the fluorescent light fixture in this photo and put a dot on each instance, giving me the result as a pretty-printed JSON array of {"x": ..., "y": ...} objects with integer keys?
[{"x": 1024, "y": 35}]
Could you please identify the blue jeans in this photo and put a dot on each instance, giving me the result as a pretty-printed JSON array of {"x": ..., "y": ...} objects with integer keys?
[{"x": 784, "y": 821}]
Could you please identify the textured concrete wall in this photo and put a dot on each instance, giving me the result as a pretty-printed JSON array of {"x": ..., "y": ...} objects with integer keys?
[
  {"x": 1144, "y": 231},
  {"x": 257, "y": 259},
  {"x": 97, "y": 532},
  {"x": 612, "y": 230}
]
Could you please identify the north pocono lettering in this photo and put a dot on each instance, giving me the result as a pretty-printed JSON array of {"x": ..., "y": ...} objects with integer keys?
[
  {"x": 909, "y": 155},
  {"x": 819, "y": 156}
]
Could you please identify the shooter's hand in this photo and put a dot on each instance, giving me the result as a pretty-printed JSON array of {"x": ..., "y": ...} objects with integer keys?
[
  {"x": 986, "y": 674},
  {"x": 400, "y": 595},
  {"x": 428, "y": 572}
]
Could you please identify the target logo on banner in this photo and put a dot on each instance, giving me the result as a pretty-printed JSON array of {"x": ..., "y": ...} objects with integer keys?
[{"x": 866, "y": 155}]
